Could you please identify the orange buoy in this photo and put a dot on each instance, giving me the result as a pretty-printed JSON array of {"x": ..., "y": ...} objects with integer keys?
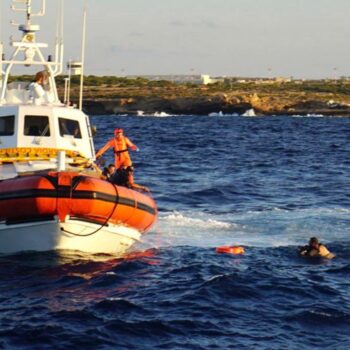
[{"x": 235, "y": 250}]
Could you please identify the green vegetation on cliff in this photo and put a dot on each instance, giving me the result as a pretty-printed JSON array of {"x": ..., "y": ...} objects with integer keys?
[{"x": 339, "y": 86}]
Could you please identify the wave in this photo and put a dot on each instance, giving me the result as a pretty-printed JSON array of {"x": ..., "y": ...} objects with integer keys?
[
  {"x": 310, "y": 115},
  {"x": 189, "y": 228},
  {"x": 163, "y": 114},
  {"x": 316, "y": 211},
  {"x": 179, "y": 219},
  {"x": 321, "y": 316},
  {"x": 274, "y": 227},
  {"x": 221, "y": 114},
  {"x": 197, "y": 290},
  {"x": 156, "y": 114},
  {"x": 249, "y": 113},
  {"x": 314, "y": 115}
]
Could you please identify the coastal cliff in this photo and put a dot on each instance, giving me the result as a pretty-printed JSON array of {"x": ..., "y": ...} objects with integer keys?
[
  {"x": 204, "y": 105},
  {"x": 315, "y": 97}
]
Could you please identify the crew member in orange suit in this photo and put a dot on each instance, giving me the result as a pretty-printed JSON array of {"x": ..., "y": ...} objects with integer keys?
[{"x": 120, "y": 144}]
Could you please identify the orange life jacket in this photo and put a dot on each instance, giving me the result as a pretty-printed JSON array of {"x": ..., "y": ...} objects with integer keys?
[{"x": 120, "y": 146}]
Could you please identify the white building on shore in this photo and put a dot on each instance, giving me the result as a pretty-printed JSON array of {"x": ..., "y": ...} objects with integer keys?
[{"x": 203, "y": 79}]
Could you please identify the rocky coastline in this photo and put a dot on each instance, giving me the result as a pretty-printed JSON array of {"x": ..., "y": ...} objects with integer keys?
[
  {"x": 204, "y": 105},
  {"x": 110, "y": 95}
]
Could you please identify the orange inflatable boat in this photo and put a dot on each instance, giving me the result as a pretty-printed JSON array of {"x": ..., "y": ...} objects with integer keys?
[{"x": 70, "y": 194}]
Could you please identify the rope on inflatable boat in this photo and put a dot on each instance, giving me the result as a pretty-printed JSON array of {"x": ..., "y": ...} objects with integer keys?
[{"x": 102, "y": 225}]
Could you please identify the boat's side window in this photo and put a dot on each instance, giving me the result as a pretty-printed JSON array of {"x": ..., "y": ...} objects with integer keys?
[
  {"x": 69, "y": 127},
  {"x": 36, "y": 125},
  {"x": 7, "y": 125}
]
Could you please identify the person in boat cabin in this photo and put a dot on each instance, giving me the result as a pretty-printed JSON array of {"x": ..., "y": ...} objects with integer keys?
[
  {"x": 120, "y": 144},
  {"x": 315, "y": 249},
  {"x": 108, "y": 173},
  {"x": 124, "y": 176},
  {"x": 37, "y": 94}
]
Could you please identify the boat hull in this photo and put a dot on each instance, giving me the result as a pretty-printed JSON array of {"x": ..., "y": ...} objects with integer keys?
[{"x": 70, "y": 235}]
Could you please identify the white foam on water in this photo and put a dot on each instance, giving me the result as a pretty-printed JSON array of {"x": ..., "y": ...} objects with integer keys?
[
  {"x": 314, "y": 115},
  {"x": 270, "y": 228},
  {"x": 188, "y": 228},
  {"x": 221, "y": 114},
  {"x": 157, "y": 114},
  {"x": 163, "y": 114},
  {"x": 310, "y": 115},
  {"x": 249, "y": 113},
  {"x": 178, "y": 219}
]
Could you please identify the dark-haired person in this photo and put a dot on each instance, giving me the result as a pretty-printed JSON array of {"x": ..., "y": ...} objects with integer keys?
[
  {"x": 124, "y": 176},
  {"x": 316, "y": 249},
  {"x": 108, "y": 173}
]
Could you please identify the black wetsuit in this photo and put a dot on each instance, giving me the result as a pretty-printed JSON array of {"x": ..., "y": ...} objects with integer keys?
[
  {"x": 121, "y": 178},
  {"x": 109, "y": 177}
]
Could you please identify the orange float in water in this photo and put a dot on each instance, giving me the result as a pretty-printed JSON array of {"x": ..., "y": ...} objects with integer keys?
[{"x": 235, "y": 250}]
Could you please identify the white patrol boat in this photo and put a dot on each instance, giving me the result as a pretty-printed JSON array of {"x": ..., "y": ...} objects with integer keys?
[{"x": 51, "y": 193}]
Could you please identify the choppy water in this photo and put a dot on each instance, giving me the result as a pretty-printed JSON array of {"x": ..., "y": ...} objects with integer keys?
[{"x": 266, "y": 183}]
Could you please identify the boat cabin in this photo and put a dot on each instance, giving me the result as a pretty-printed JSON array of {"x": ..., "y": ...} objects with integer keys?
[
  {"x": 29, "y": 126},
  {"x": 35, "y": 127}
]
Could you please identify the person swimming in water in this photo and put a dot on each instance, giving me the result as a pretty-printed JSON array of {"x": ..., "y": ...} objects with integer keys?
[{"x": 316, "y": 249}]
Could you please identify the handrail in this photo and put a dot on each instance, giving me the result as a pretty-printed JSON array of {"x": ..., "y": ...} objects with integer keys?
[{"x": 32, "y": 49}]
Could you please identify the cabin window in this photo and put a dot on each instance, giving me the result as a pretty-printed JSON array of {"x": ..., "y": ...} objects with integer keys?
[
  {"x": 36, "y": 125},
  {"x": 7, "y": 125},
  {"x": 69, "y": 127}
]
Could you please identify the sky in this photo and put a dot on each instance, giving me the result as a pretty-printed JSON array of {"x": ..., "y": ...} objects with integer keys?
[{"x": 253, "y": 38}]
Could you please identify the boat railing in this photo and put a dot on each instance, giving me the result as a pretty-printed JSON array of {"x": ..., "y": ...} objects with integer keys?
[
  {"x": 33, "y": 56},
  {"x": 19, "y": 93}
]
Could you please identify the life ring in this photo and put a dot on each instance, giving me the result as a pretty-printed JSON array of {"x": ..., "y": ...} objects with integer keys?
[{"x": 235, "y": 250}]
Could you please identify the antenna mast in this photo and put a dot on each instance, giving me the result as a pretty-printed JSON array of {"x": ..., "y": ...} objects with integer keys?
[
  {"x": 82, "y": 59},
  {"x": 26, "y": 6}
]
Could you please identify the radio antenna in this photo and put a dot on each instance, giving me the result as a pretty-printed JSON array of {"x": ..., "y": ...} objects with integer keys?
[{"x": 82, "y": 58}]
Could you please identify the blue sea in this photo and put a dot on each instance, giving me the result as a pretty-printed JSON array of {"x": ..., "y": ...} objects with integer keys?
[{"x": 265, "y": 183}]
